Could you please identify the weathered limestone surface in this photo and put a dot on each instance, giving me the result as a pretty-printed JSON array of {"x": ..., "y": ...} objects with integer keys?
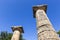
[
  {"x": 44, "y": 27},
  {"x": 16, "y": 35},
  {"x": 17, "y": 30}
]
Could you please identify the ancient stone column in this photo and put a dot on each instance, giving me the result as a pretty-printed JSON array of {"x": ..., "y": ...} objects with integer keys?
[
  {"x": 44, "y": 27},
  {"x": 17, "y": 30}
]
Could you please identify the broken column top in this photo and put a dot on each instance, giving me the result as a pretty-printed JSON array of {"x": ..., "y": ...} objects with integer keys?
[
  {"x": 19, "y": 28},
  {"x": 35, "y": 8}
]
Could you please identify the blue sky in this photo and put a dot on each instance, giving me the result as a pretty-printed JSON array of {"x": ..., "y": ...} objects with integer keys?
[{"x": 19, "y": 12}]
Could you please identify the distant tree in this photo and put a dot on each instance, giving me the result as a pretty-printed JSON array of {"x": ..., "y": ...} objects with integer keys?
[
  {"x": 58, "y": 33},
  {"x": 9, "y": 36},
  {"x": 21, "y": 37},
  {"x": 5, "y": 36}
]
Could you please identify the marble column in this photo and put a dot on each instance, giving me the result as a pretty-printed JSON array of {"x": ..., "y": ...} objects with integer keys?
[
  {"x": 45, "y": 29},
  {"x": 17, "y": 30}
]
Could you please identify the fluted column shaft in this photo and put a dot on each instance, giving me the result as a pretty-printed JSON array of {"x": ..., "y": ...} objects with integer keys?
[
  {"x": 44, "y": 27},
  {"x": 16, "y": 35},
  {"x": 17, "y": 31}
]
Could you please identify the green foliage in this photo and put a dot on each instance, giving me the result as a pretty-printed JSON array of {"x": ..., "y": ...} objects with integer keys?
[
  {"x": 5, "y": 36},
  {"x": 21, "y": 37},
  {"x": 58, "y": 33}
]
